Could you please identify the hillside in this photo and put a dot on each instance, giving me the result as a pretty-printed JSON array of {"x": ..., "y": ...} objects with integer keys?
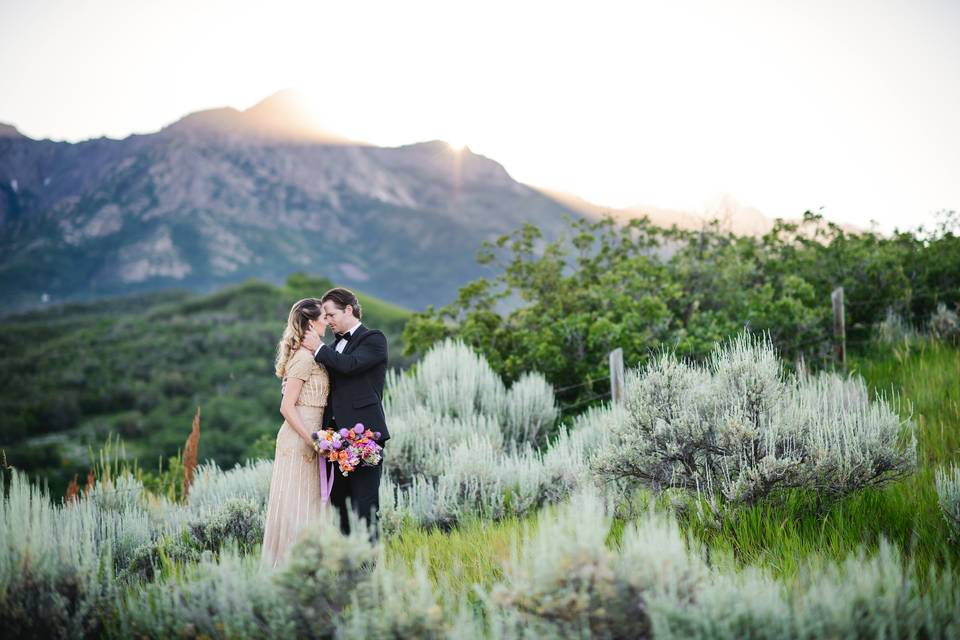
[
  {"x": 139, "y": 366},
  {"x": 224, "y": 195}
]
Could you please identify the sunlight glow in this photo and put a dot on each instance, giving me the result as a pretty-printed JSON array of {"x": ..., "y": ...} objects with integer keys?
[{"x": 785, "y": 106}]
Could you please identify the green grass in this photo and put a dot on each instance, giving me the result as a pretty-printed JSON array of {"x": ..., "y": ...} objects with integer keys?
[
  {"x": 472, "y": 553},
  {"x": 785, "y": 533}
]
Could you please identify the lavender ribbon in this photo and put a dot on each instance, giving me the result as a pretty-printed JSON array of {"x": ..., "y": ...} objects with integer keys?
[{"x": 326, "y": 483}]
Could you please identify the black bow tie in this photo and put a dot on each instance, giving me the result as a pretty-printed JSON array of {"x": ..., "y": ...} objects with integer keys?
[{"x": 343, "y": 336}]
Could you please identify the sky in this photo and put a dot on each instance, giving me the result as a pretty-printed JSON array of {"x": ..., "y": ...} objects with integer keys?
[{"x": 845, "y": 107}]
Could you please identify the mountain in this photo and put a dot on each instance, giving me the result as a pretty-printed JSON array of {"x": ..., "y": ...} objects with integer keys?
[
  {"x": 224, "y": 195},
  {"x": 731, "y": 214},
  {"x": 285, "y": 116}
]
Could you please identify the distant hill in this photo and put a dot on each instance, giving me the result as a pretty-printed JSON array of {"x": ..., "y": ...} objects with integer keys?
[
  {"x": 731, "y": 214},
  {"x": 224, "y": 195},
  {"x": 139, "y": 366}
]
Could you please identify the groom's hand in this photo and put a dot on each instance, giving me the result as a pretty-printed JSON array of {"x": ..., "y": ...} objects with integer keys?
[{"x": 311, "y": 341}]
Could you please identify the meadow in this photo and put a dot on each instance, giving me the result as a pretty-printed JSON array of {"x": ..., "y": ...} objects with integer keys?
[
  {"x": 748, "y": 484},
  {"x": 514, "y": 532}
]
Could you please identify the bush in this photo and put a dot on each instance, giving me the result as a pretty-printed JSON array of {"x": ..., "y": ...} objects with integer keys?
[
  {"x": 746, "y": 604},
  {"x": 893, "y": 329},
  {"x": 324, "y": 569},
  {"x": 945, "y": 324},
  {"x": 452, "y": 380},
  {"x": 738, "y": 430},
  {"x": 395, "y": 603},
  {"x": 56, "y": 563},
  {"x": 238, "y": 522},
  {"x": 948, "y": 492},
  {"x": 220, "y": 597},
  {"x": 462, "y": 444},
  {"x": 873, "y": 597},
  {"x": 563, "y": 581},
  {"x": 530, "y": 410},
  {"x": 147, "y": 559}
]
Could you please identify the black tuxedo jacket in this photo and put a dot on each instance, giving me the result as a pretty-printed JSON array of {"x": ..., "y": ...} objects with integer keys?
[{"x": 356, "y": 381}]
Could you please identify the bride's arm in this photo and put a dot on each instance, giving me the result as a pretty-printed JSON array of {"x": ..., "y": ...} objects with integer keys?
[{"x": 288, "y": 409}]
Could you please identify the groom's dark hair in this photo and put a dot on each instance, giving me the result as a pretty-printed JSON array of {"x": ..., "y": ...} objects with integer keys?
[{"x": 343, "y": 297}]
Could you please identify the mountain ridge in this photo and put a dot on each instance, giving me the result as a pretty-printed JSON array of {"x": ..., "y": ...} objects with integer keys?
[{"x": 208, "y": 201}]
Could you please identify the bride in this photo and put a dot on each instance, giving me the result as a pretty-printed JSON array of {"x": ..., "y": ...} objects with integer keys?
[{"x": 295, "y": 484}]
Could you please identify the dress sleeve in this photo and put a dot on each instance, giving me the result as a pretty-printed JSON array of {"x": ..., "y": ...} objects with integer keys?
[{"x": 299, "y": 366}]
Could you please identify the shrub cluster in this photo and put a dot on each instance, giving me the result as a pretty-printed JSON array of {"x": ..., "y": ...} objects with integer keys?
[{"x": 739, "y": 429}]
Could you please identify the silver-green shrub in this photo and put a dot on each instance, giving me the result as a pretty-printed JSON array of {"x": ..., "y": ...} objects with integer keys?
[
  {"x": 740, "y": 429},
  {"x": 734, "y": 605},
  {"x": 875, "y": 596},
  {"x": 57, "y": 563},
  {"x": 530, "y": 409},
  {"x": 239, "y": 521},
  {"x": 211, "y": 488},
  {"x": 324, "y": 569},
  {"x": 451, "y": 380},
  {"x": 564, "y": 581},
  {"x": 893, "y": 329},
  {"x": 463, "y": 444},
  {"x": 420, "y": 440},
  {"x": 396, "y": 603},
  {"x": 222, "y": 596},
  {"x": 948, "y": 493},
  {"x": 148, "y": 559},
  {"x": 945, "y": 324}
]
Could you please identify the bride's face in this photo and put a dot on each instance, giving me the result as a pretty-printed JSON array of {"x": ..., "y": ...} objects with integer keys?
[{"x": 318, "y": 325}]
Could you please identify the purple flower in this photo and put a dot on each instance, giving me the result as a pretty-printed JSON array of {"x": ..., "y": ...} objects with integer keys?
[
  {"x": 336, "y": 445},
  {"x": 324, "y": 445},
  {"x": 358, "y": 429},
  {"x": 315, "y": 435},
  {"x": 344, "y": 433},
  {"x": 376, "y": 434}
]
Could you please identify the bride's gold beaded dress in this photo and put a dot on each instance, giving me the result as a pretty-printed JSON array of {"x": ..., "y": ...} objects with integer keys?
[{"x": 295, "y": 484}]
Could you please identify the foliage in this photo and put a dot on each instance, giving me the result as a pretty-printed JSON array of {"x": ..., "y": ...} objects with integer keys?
[
  {"x": 877, "y": 563},
  {"x": 238, "y": 522},
  {"x": 223, "y": 596},
  {"x": 139, "y": 367},
  {"x": 464, "y": 445},
  {"x": 560, "y": 307},
  {"x": 948, "y": 490},
  {"x": 324, "y": 569},
  {"x": 739, "y": 430},
  {"x": 56, "y": 562},
  {"x": 945, "y": 324}
]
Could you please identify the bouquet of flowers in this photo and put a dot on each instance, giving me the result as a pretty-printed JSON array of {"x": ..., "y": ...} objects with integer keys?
[{"x": 349, "y": 448}]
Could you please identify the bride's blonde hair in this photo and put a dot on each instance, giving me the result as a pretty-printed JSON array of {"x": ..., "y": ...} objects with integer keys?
[{"x": 301, "y": 313}]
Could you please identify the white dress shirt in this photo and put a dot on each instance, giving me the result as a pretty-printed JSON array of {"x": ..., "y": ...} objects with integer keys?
[{"x": 340, "y": 344}]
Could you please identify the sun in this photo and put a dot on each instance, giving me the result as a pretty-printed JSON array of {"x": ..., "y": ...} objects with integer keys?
[{"x": 456, "y": 144}]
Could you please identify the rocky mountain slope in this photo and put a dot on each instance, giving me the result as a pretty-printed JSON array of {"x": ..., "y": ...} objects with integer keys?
[{"x": 224, "y": 195}]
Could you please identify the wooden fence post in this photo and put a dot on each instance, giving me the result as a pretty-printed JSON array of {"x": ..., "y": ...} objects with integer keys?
[
  {"x": 839, "y": 329},
  {"x": 616, "y": 376}
]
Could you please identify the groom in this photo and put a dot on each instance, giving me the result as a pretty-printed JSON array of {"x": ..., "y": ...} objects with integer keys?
[{"x": 357, "y": 365}]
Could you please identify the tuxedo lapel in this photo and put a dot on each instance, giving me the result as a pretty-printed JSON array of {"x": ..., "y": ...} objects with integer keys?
[{"x": 355, "y": 338}]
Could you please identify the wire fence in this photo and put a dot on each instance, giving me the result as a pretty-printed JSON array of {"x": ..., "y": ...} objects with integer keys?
[
  {"x": 826, "y": 343},
  {"x": 588, "y": 382},
  {"x": 567, "y": 409}
]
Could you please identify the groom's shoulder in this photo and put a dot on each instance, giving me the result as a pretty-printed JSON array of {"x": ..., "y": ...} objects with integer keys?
[{"x": 374, "y": 334}]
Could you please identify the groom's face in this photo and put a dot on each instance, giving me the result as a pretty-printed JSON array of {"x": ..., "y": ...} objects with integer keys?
[{"x": 340, "y": 320}]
